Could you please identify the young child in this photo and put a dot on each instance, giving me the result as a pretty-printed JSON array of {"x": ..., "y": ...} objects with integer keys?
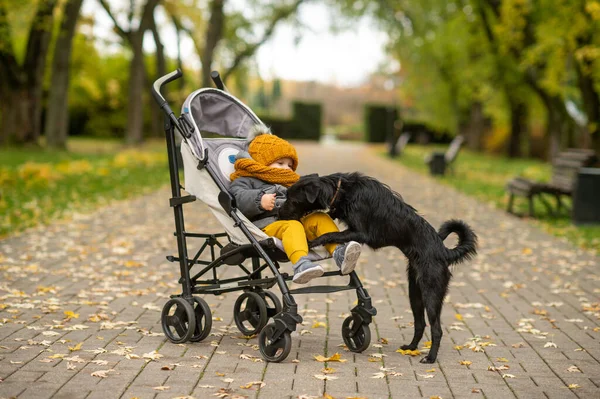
[{"x": 259, "y": 185}]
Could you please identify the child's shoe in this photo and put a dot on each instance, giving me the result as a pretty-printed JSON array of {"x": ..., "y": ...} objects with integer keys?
[
  {"x": 305, "y": 270},
  {"x": 346, "y": 256}
]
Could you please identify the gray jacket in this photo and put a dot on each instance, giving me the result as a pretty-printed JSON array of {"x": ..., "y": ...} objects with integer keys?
[{"x": 248, "y": 191}]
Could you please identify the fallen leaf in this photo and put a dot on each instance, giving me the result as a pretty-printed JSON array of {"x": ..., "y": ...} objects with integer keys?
[
  {"x": 318, "y": 324},
  {"x": 508, "y": 376},
  {"x": 550, "y": 345},
  {"x": 574, "y": 369},
  {"x": 502, "y": 359},
  {"x": 430, "y": 371},
  {"x": 336, "y": 357},
  {"x": 227, "y": 380},
  {"x": 466, "y": 362},
  {"x": 475, "y": 390},
  {"x": 325, "y": 377},
  {"x": 101, "y": 373},
  {"x": 426, "y": 376},
  {"x": 408, "y": 352},
  {"x": 71, "y": 315},
  {"x": 161, "y": 388},
  {"x": 458, "y": 316},
  {"x": 573, "y": 386},
  {"x": 154, "y": 355},
  {"x": 250, "y": 384},
  {"x": 378, "y": 375},
  {"x": 76, "y": 347},
  {"x": 328, "y": 370}
]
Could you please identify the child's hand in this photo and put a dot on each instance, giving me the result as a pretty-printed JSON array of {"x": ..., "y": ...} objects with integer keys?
[{"x": 267, "y": 201}]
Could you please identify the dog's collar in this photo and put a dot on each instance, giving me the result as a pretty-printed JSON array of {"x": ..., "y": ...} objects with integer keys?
[{"x": 339, "y": 184}]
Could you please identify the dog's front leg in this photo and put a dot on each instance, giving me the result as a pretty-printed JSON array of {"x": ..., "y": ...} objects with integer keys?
[{"x": 339, "y": 237}]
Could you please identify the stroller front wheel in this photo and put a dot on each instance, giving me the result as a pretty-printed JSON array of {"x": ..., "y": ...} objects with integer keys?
[
  {"x": 356, "y": 338},
  {"x": 274, "y": 350},
  {"x": 203, "y": 320},
  {"x": 178, "y": 320},
  {"x": 250, "y": 313}
]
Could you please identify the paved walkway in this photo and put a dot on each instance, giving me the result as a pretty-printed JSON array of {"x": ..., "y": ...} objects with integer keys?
[{"x": 80, "y": 309}]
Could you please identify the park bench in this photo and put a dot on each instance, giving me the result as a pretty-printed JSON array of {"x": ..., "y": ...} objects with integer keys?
[
  {"x": 440, "y": 161},
  {"x": 402, "y": 142},
  {"x": 565, "y": 167}
]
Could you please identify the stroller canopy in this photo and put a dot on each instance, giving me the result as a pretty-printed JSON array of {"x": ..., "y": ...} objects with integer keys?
[{"x": 215, "y": 111}]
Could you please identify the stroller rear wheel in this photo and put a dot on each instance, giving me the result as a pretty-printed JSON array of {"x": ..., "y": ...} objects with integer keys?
[
  {"x": 274, "y": 350},
  {"x": 276, "y": 308},
  {"x": 203, "y": 320},
  {"x": 250, "y": 313},
  {"x": 356, "y": 338},
  {"x": 178, "y": 320}
]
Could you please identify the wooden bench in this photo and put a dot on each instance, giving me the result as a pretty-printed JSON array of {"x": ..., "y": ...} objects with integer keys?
[
  {"x": 402, "y": 142},
  {"x": 565, "y": 167},
  {"x": 438, "y": 162}
]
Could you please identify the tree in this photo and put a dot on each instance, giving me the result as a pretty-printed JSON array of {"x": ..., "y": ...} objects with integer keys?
[
  {"x": 21, "y": 83},
  {"x": 57, "y": 119},
  {"x": 236, "y": 30},
  {"x": 137, "y": 72}
]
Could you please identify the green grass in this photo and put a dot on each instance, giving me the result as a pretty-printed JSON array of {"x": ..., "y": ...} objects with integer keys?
[
  {"x": 484, "y": 176},
  {"x": 38, "y": 186}
]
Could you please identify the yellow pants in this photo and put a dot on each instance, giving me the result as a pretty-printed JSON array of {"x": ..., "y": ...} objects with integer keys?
[{"x": 294, "y": 234}]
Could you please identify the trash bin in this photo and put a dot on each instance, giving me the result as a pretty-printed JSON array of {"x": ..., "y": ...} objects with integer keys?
[
  {"x": 437, "y": 164},
  {"x": 586, "y": 197}
]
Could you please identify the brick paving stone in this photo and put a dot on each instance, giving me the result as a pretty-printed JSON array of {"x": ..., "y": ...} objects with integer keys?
[{"x": 524, "y": 289}]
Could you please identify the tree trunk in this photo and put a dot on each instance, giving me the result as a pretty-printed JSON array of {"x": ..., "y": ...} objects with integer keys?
[
  {"x": 135, "y": 112},
  {"x": 518, "y": 126},
  {"x": 213, "y": 35},
  {"x": 16, "y": 117},
  {"x": 21, "y": 86},
  {"x": 57, "y": 120},
  {"x": 475, "y": 127},
  {"x": 591, "y": 105}
]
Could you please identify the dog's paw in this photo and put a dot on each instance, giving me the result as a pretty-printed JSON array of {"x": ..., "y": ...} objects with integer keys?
[
  {"x": 408, "y": 347},
  {"x": 427, "y": 360}
]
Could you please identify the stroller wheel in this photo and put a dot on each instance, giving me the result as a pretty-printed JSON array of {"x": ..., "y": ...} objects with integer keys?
[
  {"x": 276, "y": 308},
  {"x": 203, "y": 320},
  {"x": 274, "y": 350},
  {"x": 250, "y": 313},
  {"x": 178, "y": 320},
  {"x": 356, "y": 341}
]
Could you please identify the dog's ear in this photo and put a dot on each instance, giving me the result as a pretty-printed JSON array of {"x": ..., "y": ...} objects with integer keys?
[{"x": 312, "y": 193}]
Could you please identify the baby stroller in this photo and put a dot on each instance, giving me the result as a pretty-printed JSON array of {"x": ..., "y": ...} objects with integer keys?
[{"x": 207, "y": 164}]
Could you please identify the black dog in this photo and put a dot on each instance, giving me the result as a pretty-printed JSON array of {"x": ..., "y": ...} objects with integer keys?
[{"x": 379, "y": 217}]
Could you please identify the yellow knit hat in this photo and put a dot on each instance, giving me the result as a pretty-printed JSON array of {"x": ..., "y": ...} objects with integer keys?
[{"x": 268, "y": 148}]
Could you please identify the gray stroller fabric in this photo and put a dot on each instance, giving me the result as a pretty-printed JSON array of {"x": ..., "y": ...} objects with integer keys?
[{"x": 217, "y": 112}]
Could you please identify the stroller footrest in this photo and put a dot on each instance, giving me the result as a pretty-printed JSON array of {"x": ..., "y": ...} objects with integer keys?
[
  {"x": 321, "y": 289},
  {"x": 181, "y": 200}
]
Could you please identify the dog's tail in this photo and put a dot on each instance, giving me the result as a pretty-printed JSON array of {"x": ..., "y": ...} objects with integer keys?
[{"x": 467, "y": 240}]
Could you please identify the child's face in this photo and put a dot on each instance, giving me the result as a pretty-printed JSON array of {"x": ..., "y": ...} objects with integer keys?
[{"x": 283, "y": 163}]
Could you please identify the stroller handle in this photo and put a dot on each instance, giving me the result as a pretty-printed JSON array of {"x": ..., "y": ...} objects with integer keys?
[{"x": 160, "y": 82}]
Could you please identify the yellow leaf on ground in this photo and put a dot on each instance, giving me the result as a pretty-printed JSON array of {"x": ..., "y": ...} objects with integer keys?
[
  {"x": 76, "y": 347},
  {"x": 466, "y": 362},
  {"x": 408, "y": 352},
  {"x": 318, "y": 324},
  {"x": 71, "y": 315},
  {"x": 458, "y": 316},
  {"x": 328, "y": 370},
  {"x": 574, "y": 386},
  {"x": 502, "y": 359},
  {"x": 427, "y": 344},
  {"x": 161, "y": 388},
  {"x": 336, "y": 357}
]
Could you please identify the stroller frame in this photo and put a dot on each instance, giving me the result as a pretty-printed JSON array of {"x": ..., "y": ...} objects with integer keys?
[{"x": 186, "y": 317}]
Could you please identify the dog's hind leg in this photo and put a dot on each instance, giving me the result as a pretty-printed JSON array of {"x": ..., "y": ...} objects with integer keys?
[
  {"x": 339, "y": 237},
  {"x": 418, "y": 310},
  {"x": 433, "y": 305}
]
